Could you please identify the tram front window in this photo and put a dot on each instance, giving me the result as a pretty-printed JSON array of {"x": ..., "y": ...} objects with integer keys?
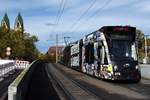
[{"x": 121, "y": 49}]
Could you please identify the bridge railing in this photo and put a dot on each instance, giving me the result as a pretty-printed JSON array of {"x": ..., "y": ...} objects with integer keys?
[
  {"x": 9, "y": 66},
  {"x": 21, "y": 64},
  {"x": 6, "y": 67}
]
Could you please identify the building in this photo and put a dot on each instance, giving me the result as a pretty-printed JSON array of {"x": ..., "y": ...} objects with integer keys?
[
  {"x": 5, "y": 22},
  {"x": 52, "y": 51},
  {"x": 18, "y": 26}
]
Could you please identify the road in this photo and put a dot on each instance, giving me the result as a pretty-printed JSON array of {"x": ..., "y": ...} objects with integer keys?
[
  {"x": 5, "y": 83},
  {"x": 105, "y": 90}
]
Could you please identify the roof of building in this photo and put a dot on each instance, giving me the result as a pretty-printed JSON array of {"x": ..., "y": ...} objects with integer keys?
[
  {"x": 19, "y": 18},
  {"x": 5, "y": 20}
]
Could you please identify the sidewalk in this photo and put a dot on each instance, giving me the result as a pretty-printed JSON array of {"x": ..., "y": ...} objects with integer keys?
[{"x": 145, "y": 71}]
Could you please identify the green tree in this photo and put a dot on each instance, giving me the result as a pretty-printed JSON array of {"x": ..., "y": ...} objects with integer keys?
[
  {"x": 140, "y": 43},
  {"x": 23, "y": 46},
  {"x": 139, "y": 38}
]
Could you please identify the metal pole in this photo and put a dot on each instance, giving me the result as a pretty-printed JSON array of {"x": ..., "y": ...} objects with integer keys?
[
  {"x": 146, "y": 46},
  {"x": 56, "y": 48}
]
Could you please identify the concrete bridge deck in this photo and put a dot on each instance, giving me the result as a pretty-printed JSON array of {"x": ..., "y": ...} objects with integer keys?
[{"x": 44, "y": 81}]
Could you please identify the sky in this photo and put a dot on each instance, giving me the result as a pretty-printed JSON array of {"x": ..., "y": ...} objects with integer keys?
[{"x": 74, "y": 18}]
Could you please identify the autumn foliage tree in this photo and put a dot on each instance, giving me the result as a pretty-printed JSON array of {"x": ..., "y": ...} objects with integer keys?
[
  {"x": 141, "y": 44},
  {"x": 22, "y": 45}
]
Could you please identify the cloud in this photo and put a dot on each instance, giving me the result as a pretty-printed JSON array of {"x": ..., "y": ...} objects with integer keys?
[
  {"x": 39, "y": 17},
  {"x": 120, "y": 3},
  {"x": 26, "y": 4},
  {"x": 50, "y": 24},
  {"x": 143, "y": 6}
]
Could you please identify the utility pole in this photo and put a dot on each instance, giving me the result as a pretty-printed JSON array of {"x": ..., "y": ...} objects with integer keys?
[
  {"x": 145, "y": 60},
  {"x": 145, "y": 46},
  {"x": 56, "y": 48},
  {"x": 56, "y": 45}
]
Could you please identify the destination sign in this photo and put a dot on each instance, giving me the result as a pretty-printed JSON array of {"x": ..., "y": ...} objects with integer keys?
[
  {"x": 121, "y": 36},
  {"x": 121, "y": 29}
]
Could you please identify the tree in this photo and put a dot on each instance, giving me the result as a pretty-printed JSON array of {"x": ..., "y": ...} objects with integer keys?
[
  {"x": 140, "y": 43},
  {"x": 139, "y": 38},
  {"x": 23, "y": 46}
]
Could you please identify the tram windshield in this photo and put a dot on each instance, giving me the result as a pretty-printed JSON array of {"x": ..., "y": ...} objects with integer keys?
[{"x": 121, "y": 49}]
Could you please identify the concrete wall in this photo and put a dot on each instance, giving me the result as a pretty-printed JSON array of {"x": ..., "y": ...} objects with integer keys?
[{"x": 145, "y": 70}]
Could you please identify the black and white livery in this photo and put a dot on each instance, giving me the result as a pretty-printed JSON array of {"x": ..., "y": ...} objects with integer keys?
[{"x": 108, "y": 53}]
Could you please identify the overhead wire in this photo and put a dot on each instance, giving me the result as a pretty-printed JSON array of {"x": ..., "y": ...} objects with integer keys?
[
  {"x": 96, "y": 12},
  {"x": 59, "y": 14},
  {"x": 99, "y": 10},
  {"x": 59, "y": 11},
  {"x": 84, "y": 13},
  {"x": 63, "y": 8}
]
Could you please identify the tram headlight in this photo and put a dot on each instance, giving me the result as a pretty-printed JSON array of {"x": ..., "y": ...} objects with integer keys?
[
  {"x": 115, "y": 68},
  {"x": 136, "y": 67}
]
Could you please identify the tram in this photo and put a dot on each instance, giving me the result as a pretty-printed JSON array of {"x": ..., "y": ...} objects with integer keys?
[{"x": 108, "y": 53}]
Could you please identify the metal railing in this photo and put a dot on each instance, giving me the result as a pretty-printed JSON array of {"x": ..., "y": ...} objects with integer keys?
[{"x": 6, "y": 67}]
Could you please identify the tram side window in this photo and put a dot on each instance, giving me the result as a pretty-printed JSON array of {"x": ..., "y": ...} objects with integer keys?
[
  {"x": 100, "y": 53},
  {"x": 105, "y": 59},
  {"x": 89, "y": 53},
  {"x": 86, "y": 54}
]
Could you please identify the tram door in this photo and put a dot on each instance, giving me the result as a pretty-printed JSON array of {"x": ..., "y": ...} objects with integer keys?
[
  {"x": 101, "y": 56},
  {"x": 88, "y": 63},
  {"x": 96, "y": 59}
]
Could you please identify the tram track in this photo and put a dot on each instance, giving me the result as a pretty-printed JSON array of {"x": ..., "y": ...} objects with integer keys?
[
  {"x": 58, "y": 86},
  {"x": 140, "y": 87},
  {"x": 99, "y": 92},
  {"x": 87, "y": 88},
  {"x": 102, "y": 89},
  {"x": 77, "y": 91}
]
